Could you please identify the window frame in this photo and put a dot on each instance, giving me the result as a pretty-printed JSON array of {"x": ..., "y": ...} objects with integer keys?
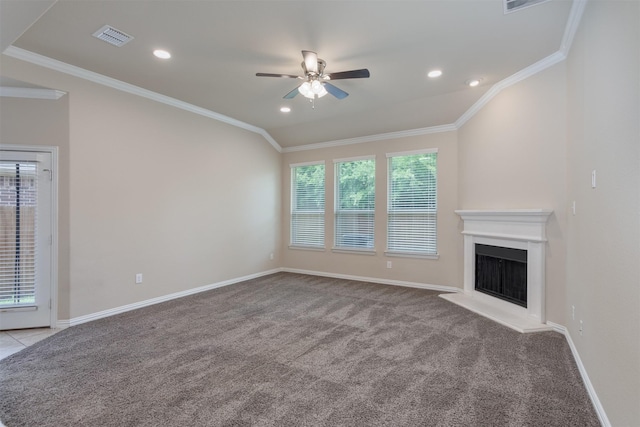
[
  {"x": 293, "y": 213},
  {"x": 336, "y": 208},
  {"x": 390, "y": 211}
]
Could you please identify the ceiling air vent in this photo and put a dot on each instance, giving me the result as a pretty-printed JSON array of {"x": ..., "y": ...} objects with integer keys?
[
  {"x": 112, "y": 36},
  {"x": 513, "y": 5}
]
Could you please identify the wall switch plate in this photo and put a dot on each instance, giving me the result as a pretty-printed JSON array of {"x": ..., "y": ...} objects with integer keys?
[
  {"x": 388, "y": 264},
  {"x": 573, "y": 312},
  {"x": 581, "y": 328},
  {"x": 593, "y": 178},
  {"x": 138, "y": 278},
  {"x": 271, "y": 255},
  {"x": 573, "y": 207}
]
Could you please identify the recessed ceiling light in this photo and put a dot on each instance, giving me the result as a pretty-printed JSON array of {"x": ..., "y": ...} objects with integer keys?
[
  {"x": 162, "y": 54},
  {"x": 285, "y": 109},
  {"x": 473, "y": 82},
  {"x": 434, "y": 73}
]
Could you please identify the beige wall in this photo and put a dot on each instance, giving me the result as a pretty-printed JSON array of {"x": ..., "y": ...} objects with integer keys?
[
  {"x": 157, "y": 190},
  {"x": 183, "y": 199},
  {"x": 512, "y": 155},
  {"x": 603, "y": 239},
  {"x": 45, "y": 122},
  {"x": 442, "y": 272}
]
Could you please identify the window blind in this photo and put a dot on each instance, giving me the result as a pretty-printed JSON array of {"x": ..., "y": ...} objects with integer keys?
[
  {"x": 18, "y": 212},
  {"x": 307, "y": 205},
  {"x": 355, "y": 204},
  {"x": 412, "y": 204}
]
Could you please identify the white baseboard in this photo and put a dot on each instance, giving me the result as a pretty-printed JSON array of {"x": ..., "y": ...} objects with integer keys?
[
  {"x": 602, "y": 416},
  {"x": 117, "y": 310},
  {"x": 375, "y": 280}
]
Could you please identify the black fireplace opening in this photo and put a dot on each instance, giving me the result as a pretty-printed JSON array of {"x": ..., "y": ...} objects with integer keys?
[{"x": 502, "y": 273}]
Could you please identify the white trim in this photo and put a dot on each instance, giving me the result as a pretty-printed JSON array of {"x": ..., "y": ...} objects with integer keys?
[
  {"x": 597, "y": 405},
  {"x": 31, "y": 93},
  {"x": 373, "y": 138},
  {"x": 413, "y": 152},
  {"x": 509, "y": 81},
  {"x": 374, "y": 280},
  {"x": 346, "y": 250},
  {"x": 355, "y": 159},
  {"x": 575, "y": 16},
  {"x": 573, "y": 22},
  {"x": 53, "y": 151},
  {"x": 122, "y": 309},
  {"x": 307, "y": 248},
  {"x": 72, "y": 70},
  {"x": 399, "y": 254},
  {"x": 297, "y": 165}
]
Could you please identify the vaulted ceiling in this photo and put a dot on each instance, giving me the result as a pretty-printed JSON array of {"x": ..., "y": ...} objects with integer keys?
[{"x": 217, "y": 48}]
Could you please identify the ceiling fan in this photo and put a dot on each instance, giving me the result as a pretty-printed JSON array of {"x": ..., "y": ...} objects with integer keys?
[{"x": 316, "y": 83}]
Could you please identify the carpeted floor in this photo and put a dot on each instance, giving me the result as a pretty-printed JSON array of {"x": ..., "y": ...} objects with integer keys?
[{"x": 296, "y": 350}]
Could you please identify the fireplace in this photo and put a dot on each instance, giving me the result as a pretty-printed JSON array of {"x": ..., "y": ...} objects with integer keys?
[
  {"x": 505, "y": 248},
  {"x": 502, "y": 273}
]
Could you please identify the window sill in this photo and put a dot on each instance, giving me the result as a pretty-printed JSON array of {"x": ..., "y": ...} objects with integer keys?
[
  {"x": 411, "y": 255},
  {"x": 353, "y": 251},
  {"x": 307, "y": 248}
]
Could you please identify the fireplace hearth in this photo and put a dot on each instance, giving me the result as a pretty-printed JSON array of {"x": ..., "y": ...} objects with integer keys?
[{"x": 505, "y": 249}]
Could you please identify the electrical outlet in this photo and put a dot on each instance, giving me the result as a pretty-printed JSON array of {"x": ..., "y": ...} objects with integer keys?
[
  {"x": 389, "y": 264},
  {"x": 573, "y": 312},
  {"x": 573, "y": 207},
  {"x": 138, "y": 278},
  {"x": 271, "y": 255},
  {"x": 581, "y": 328}
]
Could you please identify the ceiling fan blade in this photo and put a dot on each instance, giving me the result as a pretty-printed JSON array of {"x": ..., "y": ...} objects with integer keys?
[
  {"x": 353, "y": 74},
  {"x": 310, "y": 61},
  {"x": 290, "y": 76},
  {"x": 291, "y": 94},
  {"x": 337, "y": 92}
]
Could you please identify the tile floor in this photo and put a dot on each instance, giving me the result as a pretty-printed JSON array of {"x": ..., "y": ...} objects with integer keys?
[{"x": 14, "y": 341}]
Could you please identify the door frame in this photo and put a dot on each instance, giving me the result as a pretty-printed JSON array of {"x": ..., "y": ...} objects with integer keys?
[{"x": 53, "y": 151}]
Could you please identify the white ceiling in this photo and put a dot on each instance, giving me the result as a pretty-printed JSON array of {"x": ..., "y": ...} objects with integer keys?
[{"x": 218, "y": 46}]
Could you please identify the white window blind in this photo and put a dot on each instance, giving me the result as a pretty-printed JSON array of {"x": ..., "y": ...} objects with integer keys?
[
  {"x": 18, "y": 211},
  {"x": 355, "y": 204},
  {"x": 307, "y": 205},
  {"x": 412, "y": 203}
]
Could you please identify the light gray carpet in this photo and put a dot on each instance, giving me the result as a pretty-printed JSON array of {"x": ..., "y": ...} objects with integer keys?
[{"x": 296, "y": 350}]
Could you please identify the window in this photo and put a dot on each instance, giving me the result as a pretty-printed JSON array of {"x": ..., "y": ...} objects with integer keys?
[
  {"x": 412, "y": 203},
  {"x": 307, "y": 205},
  {"x": 355, "y": 203}
]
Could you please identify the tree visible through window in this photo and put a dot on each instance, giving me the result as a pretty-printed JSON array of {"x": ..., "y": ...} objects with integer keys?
[
  {"x": 307, "y": 205},
  {"x": 412, "y": 203},
  {"x": 355, "y": 204}
]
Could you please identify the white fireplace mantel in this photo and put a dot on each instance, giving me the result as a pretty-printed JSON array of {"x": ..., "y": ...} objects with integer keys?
[{"x": 514, "y": 228}]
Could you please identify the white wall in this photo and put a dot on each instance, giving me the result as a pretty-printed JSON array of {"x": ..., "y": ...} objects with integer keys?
[
  {"x": 183, "y": 199},
  {"x": 603, "y": 239}
]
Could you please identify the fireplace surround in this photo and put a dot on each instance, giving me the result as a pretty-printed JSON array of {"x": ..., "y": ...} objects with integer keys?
[{"x": 523, "y": 229}]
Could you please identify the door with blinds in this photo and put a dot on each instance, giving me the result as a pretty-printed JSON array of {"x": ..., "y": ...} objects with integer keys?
[{"x": 25, "y": 239}]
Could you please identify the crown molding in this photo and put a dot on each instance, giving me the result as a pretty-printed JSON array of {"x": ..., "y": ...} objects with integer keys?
[
  {"x": 32, "y": 93},
  {"x": 509, "y": 81},
  {"x": 53, "y": 64},
  {"x": 372, "y": 138},
  {"x": 575, "y": 16},
  {"x": 573, "y": 22}
]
